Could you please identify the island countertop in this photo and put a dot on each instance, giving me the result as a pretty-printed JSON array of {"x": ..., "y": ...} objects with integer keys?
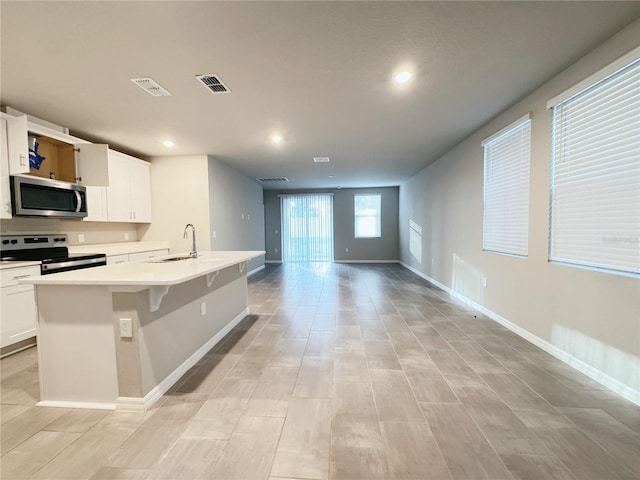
[{"x": 148, "y": 273}]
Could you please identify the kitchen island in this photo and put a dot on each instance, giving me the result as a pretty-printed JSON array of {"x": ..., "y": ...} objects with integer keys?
[{"x": 119, "y": 336}]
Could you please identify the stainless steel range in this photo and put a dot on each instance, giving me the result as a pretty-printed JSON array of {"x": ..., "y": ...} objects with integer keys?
[{"x": 50, "y": 249}]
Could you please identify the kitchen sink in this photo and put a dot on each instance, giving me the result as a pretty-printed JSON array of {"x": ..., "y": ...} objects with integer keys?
[{"x": 177, "y": 258}]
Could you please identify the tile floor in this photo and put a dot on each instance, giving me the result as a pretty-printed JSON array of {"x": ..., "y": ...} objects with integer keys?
[{"x": 341, "y": 372}]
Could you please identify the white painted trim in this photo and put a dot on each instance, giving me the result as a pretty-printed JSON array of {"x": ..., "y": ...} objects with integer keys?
[
  {"x": 67, "y": 404},
  {"x": 366, "y": 261},
  {"x": 137, "y": 404},
  {"x": 599, "y": 376},
  {"x": 273, "y": 261},
  {"x": 596, "y": 77},
  {"x": 255, "y": 270},
  {"x": 516, "y": 124}
]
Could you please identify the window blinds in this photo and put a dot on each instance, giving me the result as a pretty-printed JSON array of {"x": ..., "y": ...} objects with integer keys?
[
  {"x": 595, "y": 184},
  {"x": 307, "y": 228},
  {"x": 506, "y": 189}
]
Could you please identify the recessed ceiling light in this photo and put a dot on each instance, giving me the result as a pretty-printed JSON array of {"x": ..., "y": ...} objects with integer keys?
[
  {"x": 168, "y": 143},
  {"x": 276, "y": 139},
  {"x": 402, "y": 77}
]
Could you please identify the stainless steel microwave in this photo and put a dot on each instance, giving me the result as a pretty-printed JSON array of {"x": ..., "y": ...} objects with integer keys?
[{"x": 42, "y": 197}]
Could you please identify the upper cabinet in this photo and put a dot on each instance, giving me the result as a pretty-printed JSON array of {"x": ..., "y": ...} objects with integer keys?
[
  {"x": 65, "y": 157},
  {"x": 129, "y": 191},
  {"x": 5, "y": 194}
]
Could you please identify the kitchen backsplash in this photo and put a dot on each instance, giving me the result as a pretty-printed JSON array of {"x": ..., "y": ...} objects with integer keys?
[{"x": 90, "y": 232}]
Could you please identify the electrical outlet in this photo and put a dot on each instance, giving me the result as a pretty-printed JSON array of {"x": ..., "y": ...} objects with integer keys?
[
  {"x": 126, "y": 328},
  {"x": 346, "y": 249},
  {"x": 214, "y": 234},
  {"x": 276, "y": 232},
  {"x": 126, "y": 235},
  {"x": 203, "y": 308},
  {"x": 81, "y": 238},
  {"x": 248, "y": 216},
  {"x": 242, "y": 216},
  {"x": 276, "y": 250},
  {"x": 484, "y": 281},
  {"x": 433, "y": 261}
]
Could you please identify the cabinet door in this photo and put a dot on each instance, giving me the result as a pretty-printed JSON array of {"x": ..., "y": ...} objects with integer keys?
[
  {"x": 140, "y": 184},
  {"x": 96, "y": 204},
  {"x": 17, "y": 140},
  {"x": 113, "y": 259},
  {"x": 5, "y": 193},
  {"x": 18, "y": 309},
  {"x": 118, "y": 191},
  {"x": 92, "y": 164},
  {"x": 141, "y": 256}
]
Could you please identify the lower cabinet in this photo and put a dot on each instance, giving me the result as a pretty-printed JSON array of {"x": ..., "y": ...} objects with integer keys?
[{"x": 17, "y": 305}]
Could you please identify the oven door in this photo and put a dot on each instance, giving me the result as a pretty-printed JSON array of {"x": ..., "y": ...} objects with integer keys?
[{"x": 33, "y": 196}]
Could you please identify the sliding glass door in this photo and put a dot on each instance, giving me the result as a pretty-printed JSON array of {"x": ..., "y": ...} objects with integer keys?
[{"x": 307, "y": 228}]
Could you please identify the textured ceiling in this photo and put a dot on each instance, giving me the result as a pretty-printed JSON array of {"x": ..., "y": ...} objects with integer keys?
[{"x": 318, "y": 73}]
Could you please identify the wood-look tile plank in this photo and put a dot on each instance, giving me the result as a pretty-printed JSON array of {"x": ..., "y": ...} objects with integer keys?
[
  {"x": 534, "y": 467},
  {"x": 394, "y": 398},
  {"x": 304, "y": 448},
  {"x": 381, "y": 355},
  {"x": 26, "y": 424},
  {"x": 315, "y": 378},
  {"x": 110, "y": 473},
  {"x": 428, "y": 385},
  {"x": 249, "y": 451},
  {"x": 356, "y": 463},
  {"x": 412, "y": 452},
  {"x": 465, "y": 449},
  {"x": 189, "y": 459},
  {"x": 288, "y": 352},
  {"x": 34, "y": 453},
  {"x": 350, "y": 365},
  {"x": 321, "y": 344},
  {"x": 77, "y": 420}
]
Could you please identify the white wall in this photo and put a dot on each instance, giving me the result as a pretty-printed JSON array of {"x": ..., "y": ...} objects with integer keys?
[
  {"x": 179, "y": 195},
  {"x": 593, "y": 317}
]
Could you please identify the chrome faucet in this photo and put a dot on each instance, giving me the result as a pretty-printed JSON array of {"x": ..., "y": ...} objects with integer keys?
[{"x": 194, "y": 250}]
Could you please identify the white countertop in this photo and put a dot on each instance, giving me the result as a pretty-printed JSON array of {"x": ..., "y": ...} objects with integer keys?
[
  {"x": 16, "y": 264},
  {"x": 119, "y": 248},
  {"x": 148, "y": 273}
]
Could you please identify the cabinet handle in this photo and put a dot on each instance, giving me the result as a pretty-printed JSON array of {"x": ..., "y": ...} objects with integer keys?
[
  {"x": 8, "y": 207},
  {"x": 18, "y": 277}
]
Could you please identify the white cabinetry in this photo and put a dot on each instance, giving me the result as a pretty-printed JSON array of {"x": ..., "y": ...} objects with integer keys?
[
  {"x": 18, "y": 305},
  {"x": 66, "y": 157},
  {"x": 5, "y": 193},
  {"x": 96, "y": 205},
  {"x": 129, "y": 192}
]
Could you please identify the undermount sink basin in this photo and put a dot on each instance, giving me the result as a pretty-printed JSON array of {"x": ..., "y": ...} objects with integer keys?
[{"x": 173, "y": 259}]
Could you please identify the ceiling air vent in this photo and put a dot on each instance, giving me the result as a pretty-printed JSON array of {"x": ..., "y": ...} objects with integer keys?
[
  {"x": 150, "y": 86},
  {"x": 321, "y": 159},
  {"x": 213, "y": 83},
  {"x": 272, "y": 179}
]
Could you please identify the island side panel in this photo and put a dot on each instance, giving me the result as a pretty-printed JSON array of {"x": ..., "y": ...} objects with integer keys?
[
  {"x": 76, "y": 349},
  {"x": 169, "y": 337}
]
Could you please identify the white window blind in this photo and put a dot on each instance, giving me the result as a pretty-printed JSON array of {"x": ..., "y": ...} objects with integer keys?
[
  {"x": 366, "y": 210},
  {"x": 595, "y": 184},
  {"x": 506, "y": 189},
  {"x": 307, "y": 228}
]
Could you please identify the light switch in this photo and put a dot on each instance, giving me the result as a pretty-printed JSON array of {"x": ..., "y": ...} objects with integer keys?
[
  {"x": 81, "y": 238},
  {"x": 203, "y": 309}
]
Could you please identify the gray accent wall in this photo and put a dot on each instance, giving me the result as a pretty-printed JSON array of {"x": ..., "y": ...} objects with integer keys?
[
  {"x": 380, "y": 249},
  {"x": 589, "y": 318}
]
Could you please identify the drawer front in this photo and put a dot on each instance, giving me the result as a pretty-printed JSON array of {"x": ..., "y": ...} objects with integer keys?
[
  {"x": 11, "y": 276},
  {"x": 113, "y": 259}
]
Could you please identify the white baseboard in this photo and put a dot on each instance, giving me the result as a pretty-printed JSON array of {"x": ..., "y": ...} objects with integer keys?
[
  {"x": 273, "y": 261},
  {"x": 137, "y": 404},
  {"x": 599, "y": 376},
  {"x": 66, "y": 404},
  {"x": 255, "y": 270},
  {"x": 366, "y": 261}
]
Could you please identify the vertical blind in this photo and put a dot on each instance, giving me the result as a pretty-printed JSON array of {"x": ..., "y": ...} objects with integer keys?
[
  {"x": 595, "y": 186},
  {"x": 307, "y": 228},
  {"x": 506, "y": 189}
]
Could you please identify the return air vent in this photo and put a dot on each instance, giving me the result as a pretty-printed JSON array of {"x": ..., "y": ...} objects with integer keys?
[
  {"x": 152, "y": 87},
  {"x": 213, "y": 83},
  {"x": 321, "y": 160},
  {"x": 272, "y": 179}
]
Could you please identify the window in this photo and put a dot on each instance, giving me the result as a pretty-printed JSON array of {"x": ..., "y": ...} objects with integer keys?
[
  {"x": 506, "y": 189},
  {"x": 367, "y": 215},
  {"x": 595, "y": 181}
]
